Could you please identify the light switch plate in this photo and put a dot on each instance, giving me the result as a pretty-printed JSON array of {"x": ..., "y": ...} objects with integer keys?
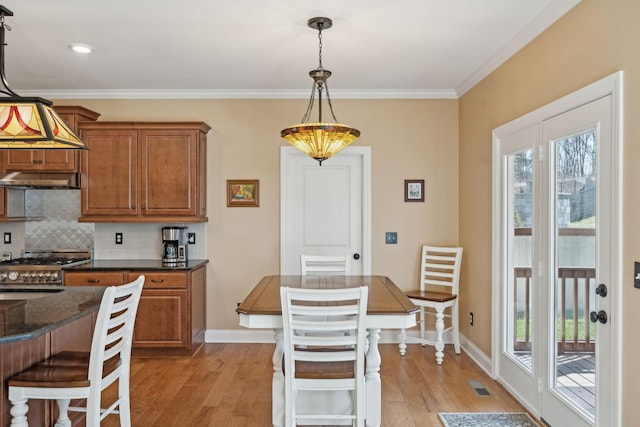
[
  {"x": 7, "y": 238},
  {"x": 191, "y": 239},
  {"x": 391, "y": 238}
]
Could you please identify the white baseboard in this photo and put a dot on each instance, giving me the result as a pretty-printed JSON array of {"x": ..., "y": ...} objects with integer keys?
[
  {"x": 477, "y": 355},
  {"x": 386, "y": 337},
  {"x": 256, "y": 336}
]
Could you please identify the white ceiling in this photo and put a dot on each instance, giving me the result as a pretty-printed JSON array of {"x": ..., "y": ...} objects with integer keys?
[{"x": 264, "y": 48}]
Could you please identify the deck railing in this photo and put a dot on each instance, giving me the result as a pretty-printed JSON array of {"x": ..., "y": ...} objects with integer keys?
[{"x": 575, "y": 286}]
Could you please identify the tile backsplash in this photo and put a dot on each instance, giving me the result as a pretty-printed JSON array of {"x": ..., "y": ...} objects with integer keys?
[
  {"x": 58, "y": 228},
  {"x": 141, "y": 241}
]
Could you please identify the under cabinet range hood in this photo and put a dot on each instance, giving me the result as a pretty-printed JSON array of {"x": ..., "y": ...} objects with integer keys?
[{"x": 52, "y": 180}]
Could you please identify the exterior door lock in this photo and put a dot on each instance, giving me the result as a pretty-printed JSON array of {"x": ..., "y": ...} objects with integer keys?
[
  {"x": 601, "y": 290},
  {"x": 600, "y": 316}
]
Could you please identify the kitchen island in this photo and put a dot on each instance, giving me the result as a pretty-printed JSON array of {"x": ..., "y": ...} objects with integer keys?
[
  {"x": 171, "y": 319},
  {"x": 39, "y": 321}
]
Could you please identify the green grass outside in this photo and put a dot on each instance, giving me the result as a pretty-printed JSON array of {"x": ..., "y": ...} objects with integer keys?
[{"x": 569, "y": 323}]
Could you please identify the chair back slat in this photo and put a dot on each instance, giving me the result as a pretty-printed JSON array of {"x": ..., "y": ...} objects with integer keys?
[{"x": 440, "y": 266}]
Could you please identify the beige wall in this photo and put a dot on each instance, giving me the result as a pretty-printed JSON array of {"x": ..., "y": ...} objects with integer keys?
[
  {"x": 410, "y": 139},
  {"x": 592, "y": 41}
]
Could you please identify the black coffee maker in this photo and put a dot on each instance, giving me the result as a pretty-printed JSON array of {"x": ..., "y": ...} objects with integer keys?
[{"x": 174, "y": 245}]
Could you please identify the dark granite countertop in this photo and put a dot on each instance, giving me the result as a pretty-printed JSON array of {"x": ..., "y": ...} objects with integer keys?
[
  {"x": 28, "y": 312},
  {"x": 136, "y": 265}
]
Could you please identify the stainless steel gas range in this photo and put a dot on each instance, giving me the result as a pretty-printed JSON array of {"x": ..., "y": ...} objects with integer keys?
[{"x": 41, "y": 267}]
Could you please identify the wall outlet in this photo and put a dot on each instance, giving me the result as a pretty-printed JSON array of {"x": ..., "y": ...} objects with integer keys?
[
  {"x": 7, "y": 238},
  {"x": 118, "y": 238},
  {"x": 471, "y": 318}
]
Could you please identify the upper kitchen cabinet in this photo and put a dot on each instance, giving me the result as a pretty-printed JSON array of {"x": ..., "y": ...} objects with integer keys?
[
  {"x": 144, "y": 172},
  {"x": 39, "y": 160}
]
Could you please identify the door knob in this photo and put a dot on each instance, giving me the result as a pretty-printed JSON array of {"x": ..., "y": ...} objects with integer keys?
[
  {"x": 601, "y": 290},
  {"x": 600, "y": 316},
  {"x": 356, "y": 256}
]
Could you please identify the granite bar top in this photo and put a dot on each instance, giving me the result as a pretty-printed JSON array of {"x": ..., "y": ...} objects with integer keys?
[
  {"x": 27, "y": 312},
  {"x": 136, "y": 265}
]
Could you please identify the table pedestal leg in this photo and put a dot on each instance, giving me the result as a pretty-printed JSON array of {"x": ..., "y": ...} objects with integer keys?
[
  {"x": 277, "y": 385},
  {"x": 372, "y": 378}
]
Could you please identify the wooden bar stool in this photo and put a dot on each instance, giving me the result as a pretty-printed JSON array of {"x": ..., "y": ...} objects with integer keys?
[{"x": 83, "y": 375}]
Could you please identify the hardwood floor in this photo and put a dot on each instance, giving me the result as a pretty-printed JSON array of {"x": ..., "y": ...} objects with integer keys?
[{"x": 230, "y": 385}]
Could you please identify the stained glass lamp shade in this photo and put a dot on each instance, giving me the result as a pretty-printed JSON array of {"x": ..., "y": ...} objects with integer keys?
[{"x": 27, "y": 123}]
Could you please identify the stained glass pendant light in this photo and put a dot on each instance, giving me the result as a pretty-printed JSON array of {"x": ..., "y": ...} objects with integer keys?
[
  {"x": 27, "y": 123},
  {"x": 320, "y": 140}
]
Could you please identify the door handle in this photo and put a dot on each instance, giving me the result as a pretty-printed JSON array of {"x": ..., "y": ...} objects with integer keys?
[
  {"x": 601, "y": 290},
  {"x": 356, "y": 256},
  {"x": 600, "y": 316}
]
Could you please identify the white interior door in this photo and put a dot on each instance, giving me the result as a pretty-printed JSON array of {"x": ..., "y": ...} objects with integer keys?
[
  {"x": 325, "y": 210},
  {"x": 557, "y": 218}
]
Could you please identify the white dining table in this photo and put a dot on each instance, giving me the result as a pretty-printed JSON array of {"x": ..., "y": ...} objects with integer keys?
[{"x": 388, "y": 308}]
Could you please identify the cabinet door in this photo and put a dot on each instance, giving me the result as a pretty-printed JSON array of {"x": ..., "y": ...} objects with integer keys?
[
  {"x": 162, "y": 319},
  {"x": 40, "y": 160},
  {"x": 109, "y": 169},
  {"x": 168, "y": 172}
]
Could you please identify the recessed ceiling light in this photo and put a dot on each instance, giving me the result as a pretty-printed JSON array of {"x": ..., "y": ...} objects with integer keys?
[{"x": 81, "y": 48}]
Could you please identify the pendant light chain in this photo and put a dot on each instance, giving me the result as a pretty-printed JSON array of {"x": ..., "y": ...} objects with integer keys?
[
  {"x": 324, "y": 81},
  {"x": 320, "y": 47}
]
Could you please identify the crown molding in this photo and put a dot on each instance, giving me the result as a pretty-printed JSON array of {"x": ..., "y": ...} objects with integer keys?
[
  {"x": 543, "y": 21},
  {"x": 240, "y": 94}
]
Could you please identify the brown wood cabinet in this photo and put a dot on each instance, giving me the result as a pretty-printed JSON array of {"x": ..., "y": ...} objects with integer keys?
[
  {"x": 144, "y": 172},
  {"x": 171, "y": 315},
  {"x": 50, "y": 160}
]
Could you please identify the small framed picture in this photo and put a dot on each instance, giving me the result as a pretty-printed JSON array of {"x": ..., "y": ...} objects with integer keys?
[
  {"x": 414, "y": 190},
  {"x": 243, "y": 192}
]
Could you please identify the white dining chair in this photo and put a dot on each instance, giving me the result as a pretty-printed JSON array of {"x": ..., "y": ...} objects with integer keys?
[
  {"x": 84, "y": 375},
  {"x": 332, "y": 360},
  {"x": 439, "y": 284},
  {"x": 325, "y": 265}
]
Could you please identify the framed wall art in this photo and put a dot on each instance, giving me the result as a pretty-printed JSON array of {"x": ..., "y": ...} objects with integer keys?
[
  {"x": 243, "y": 193},
  {"x": 414, "y": 190}
]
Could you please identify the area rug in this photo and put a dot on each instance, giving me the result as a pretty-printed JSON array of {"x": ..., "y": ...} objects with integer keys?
[{"x": 487, "y": 419}]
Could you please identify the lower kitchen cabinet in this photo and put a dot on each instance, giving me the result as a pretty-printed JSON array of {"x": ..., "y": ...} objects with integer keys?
[{"x": 171, "y": 315}]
